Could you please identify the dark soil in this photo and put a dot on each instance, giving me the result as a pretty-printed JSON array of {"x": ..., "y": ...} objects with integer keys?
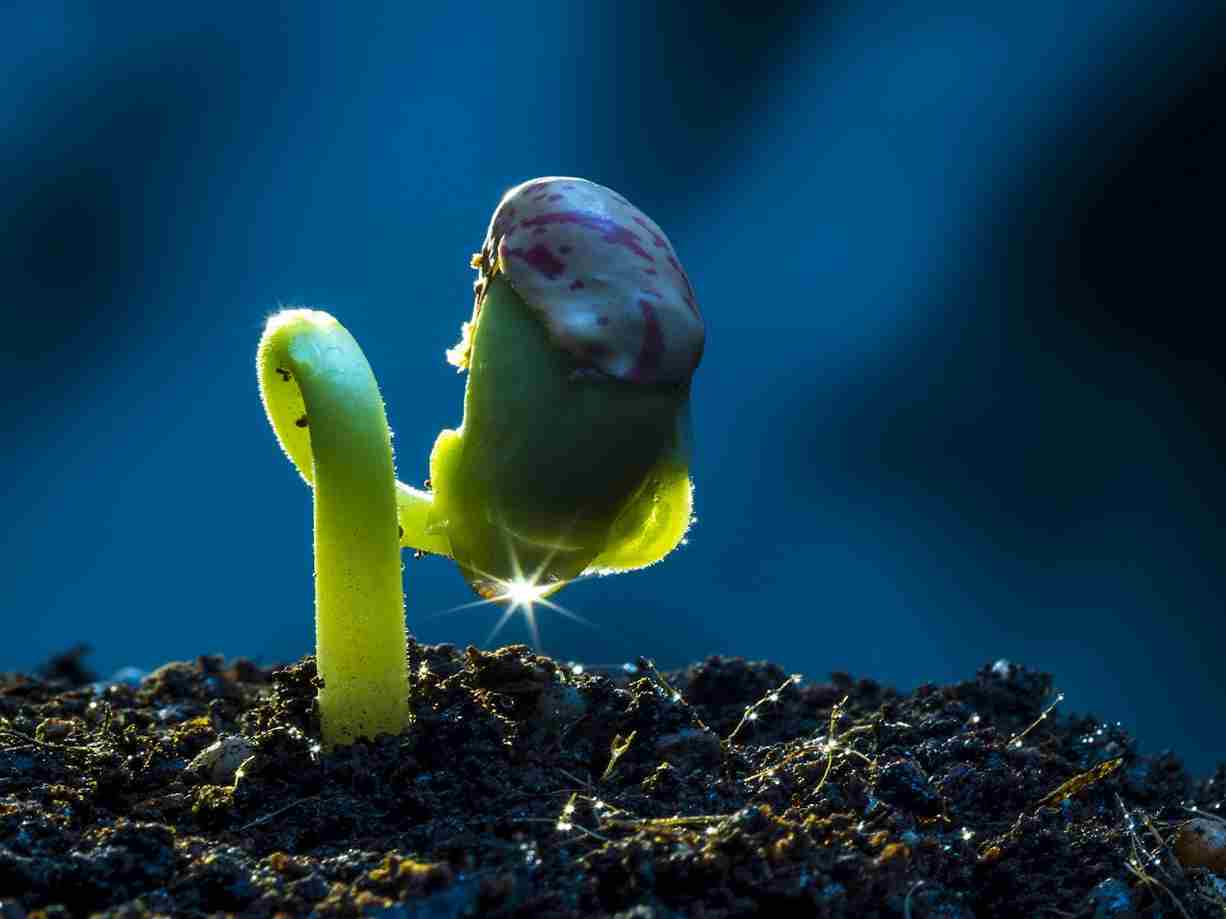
[{"x": 527, "y": 787}]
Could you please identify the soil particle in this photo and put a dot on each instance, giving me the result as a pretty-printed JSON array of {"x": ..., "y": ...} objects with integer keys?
[{"x": 529, "y": 787}]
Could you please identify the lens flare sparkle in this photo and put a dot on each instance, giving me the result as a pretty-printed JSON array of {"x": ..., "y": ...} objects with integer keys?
[{"x": 521, "y": 594}]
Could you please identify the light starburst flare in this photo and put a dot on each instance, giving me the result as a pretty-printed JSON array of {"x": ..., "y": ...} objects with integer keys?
[{"x": 521, "y": 594}]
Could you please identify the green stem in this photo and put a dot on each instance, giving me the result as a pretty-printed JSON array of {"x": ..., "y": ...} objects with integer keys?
[
  {"x": 414, "y": 509},
  {"x": 324, "y": 405}
]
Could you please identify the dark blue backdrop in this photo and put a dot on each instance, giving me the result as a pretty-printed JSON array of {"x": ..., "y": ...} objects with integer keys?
[{"x": 960, "y": 398}]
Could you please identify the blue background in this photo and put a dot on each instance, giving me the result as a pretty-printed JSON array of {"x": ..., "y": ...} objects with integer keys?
[{"x": 960, "y": 266}]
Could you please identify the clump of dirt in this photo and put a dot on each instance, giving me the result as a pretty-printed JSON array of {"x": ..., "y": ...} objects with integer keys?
[{"x": 530, "y": 787}]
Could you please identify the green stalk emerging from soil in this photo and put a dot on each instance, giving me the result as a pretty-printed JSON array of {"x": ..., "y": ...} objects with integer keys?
[{"x": 324, "y": 405}]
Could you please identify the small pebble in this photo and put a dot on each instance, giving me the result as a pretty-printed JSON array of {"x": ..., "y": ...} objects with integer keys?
[
  {"x": 53, "y": 730},
  {"x": 1112, "y": 899},
  {"x": 219, "y": 762},
  {"x": 1201, "y": 843}
]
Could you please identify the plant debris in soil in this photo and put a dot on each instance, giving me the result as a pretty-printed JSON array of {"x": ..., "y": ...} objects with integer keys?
[{"x": 531, "y": 787}]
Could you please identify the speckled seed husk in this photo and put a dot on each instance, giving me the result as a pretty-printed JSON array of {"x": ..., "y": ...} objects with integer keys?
[{"x": 600, "y": 273}]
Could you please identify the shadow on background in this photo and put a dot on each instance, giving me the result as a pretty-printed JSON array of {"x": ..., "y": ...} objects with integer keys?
[{"x": 961, "y": 397}]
